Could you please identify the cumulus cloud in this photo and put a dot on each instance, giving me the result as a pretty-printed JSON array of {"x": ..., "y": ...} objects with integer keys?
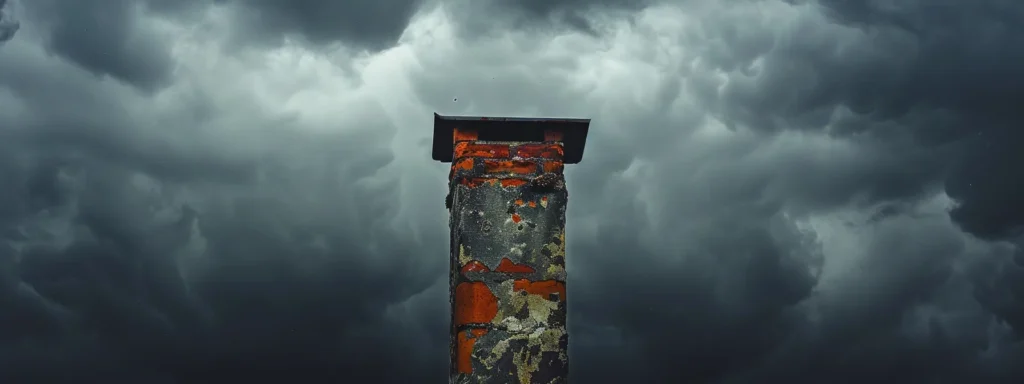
[{"x": 773, "y": 191}]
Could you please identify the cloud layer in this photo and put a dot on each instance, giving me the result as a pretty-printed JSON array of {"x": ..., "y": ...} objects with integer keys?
[{"x": 774, "y": 191}]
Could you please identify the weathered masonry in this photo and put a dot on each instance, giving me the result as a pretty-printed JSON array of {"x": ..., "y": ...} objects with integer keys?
[{"x": 507, "y": 200}]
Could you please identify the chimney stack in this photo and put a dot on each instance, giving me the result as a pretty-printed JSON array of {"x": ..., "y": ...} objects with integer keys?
[{"x": 507, "y": 201}]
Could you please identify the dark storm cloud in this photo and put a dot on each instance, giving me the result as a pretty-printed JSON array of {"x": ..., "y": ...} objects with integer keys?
[
  {"x": 371, "y": 24},
  {"x": 279, "y": 289},
  {"x": 378, "y": 24},
  {"x": 489, "y": 18},
  {"x": 168, "y": 253},
  {"x": 572, "y": 13},
  {"x": 8, "y": 25},
  {"x": 686, "y": 266},
  {"x": 807, "y": 244},
  {"x": 943, "y": 74},
  {"x": 939, "y": 76},
  {"x": 108, "y": 38}
]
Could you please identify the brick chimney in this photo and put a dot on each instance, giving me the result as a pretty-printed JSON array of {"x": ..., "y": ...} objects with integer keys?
[{"x": 507, "y": 201}]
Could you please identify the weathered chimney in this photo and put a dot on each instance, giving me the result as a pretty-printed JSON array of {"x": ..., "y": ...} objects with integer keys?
[{"x": 507, "y": 201}]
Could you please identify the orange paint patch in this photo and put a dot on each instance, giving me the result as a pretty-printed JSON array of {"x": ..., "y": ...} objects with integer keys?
[
  {"x": 543, "y": 288},
  {"x": 464, "y": 164},
  {"x": 519, "y": 202},
  {"x": 516, "y": 219},
  {"x": 550, "y": 135},
  {"x": 464, "y": 341},
  {"x": 508, "y": 266},
  {"x": 475, "y": 266},
  {"x": 510, "y": 166},
  {"x": 543, "y": 151},
  {"x": 533, "y": 204},
  {"x": 509, "y": 183},
  {"x": 482, "y": 150},
  {"x": 554, "y": 166},
  {"x": 462, "y": 134},
  {"x": 474, "y": 303}
]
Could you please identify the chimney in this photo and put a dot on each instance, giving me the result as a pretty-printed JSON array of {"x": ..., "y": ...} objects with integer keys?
[{"x": 507, "y": 201}]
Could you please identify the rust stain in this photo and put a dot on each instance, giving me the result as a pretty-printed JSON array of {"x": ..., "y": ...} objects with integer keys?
[
  {"x": 516, "y": 219},
  {"x": 553, "y": 166},
  {"x": 510, "y": 166},
  {"x": 482, "y": 150},
  {"x": 543, "y": 151},
  {"x": 508, "y": 266},
  {"x": 552, "y": 135},
  {"x": 474, "y": 303},
  {"x": 511, "y": 183},
  {"x": 545, "y": 288},
  {"x": 465, "y": 340},
  {"x": 462, "y": 134},
  {"x": 474, "y": 266}
]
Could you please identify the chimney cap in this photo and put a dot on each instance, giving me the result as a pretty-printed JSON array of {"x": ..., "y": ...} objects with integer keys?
[{"x": 574, "y": 132}]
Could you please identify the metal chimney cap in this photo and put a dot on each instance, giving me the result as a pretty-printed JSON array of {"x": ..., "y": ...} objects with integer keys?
[{"x": 525, "y": 129}]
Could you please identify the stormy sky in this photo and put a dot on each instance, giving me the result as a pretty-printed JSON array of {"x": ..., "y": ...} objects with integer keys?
[{"x": 776, "y": 191}]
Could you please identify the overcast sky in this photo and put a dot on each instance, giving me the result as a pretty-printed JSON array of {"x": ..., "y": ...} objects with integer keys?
[{"x": 777, "y": 191}]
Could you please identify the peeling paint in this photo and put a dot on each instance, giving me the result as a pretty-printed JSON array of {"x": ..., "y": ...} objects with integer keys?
[
  {"x": 476, "y": 303},
  {"x": 508, "y": 266},
  {"x": 552, "y": 151},
  {"x": 463, "y": 256},
  {"x": 510, "y": 183},
  {"x": 471, "y": 149},
  {"x": 463, "y": 164},
  {"x": 551, "y": 289},
  {"x": 520, "y": 167},
  {"x": 474, "y": 266},
  {"x": 466, "y": 340}
]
